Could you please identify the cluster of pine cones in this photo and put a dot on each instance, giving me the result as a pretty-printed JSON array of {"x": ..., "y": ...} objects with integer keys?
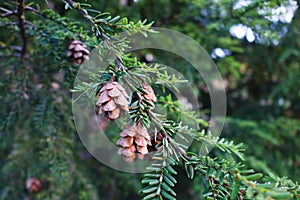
[
  {"x": 135, "y": 139},
  {"x": 112, "y": 99}
]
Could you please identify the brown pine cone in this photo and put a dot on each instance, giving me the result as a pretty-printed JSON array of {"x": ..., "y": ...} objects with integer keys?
[
  {"x": 154, "y": 141},
  {"x": 134, "y": 139},
  {"x": 78, "y": 52},
  {"x": 33, "y": 185},
  {"x": 150, "y": 96},
  {"x": 112, "y": 97},
  {"x": 159, "y": 137}
]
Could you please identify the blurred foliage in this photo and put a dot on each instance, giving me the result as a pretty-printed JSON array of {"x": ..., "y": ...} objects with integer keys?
[{"x": 262, "y": 78}]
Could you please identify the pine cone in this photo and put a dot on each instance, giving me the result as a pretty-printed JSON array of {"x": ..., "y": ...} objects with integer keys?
[
  {"x": 112, "y": 97},
  {"x": 154, "y": 141},
  {"x": 134, "y": 139},
  {"x": 33, "y": 185},
  {"x": 158, "y": 139},
  {"x": 150, "y": 96},
  {"x": 78, "y": 52}
]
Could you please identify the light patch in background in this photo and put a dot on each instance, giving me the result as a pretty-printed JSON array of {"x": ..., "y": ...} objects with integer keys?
[
  {"x": 149, "y": 57},
  {"x": 275, "y": 42},
  {"x": 241, "y": 31},
  {"x": 238, "y": 31},
  {"x": 241, "y": 3},
  {"x": 219, "y": 52},
  {"x": 283, "y": 14},
  {"x": 250, "y": 35}
]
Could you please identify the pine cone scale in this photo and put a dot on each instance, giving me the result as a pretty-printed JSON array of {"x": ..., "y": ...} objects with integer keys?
[
  {"x": 115, "y": 92},
  {"x": 114, "y": 114},
  {"x": 141, "y": 141},
  {"x": 103, "y": 98},
  {"x": 142, "y": 149},
  {"x": 125, "y": 142},
  {"x": 109, "y": 106},
  {"x": 121, "y": 100}
]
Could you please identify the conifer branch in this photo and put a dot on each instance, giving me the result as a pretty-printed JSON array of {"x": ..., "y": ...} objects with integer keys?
[{"x": 99, "y": 33}]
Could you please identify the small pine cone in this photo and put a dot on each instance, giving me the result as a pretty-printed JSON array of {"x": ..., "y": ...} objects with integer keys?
[
  {"x": 33, "y": 185},
  {"x": 134, "y": 139},
  {"x": 78, "y": 52},
  {"x": 150, "y": 96},
  {"x": 154, "y": 141},
  {"x": 158, "y": 139},
  {"x": 112, "y": 97}
]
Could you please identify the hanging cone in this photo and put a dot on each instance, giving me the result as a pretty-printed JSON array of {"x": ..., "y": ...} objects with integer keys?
[
  {"x": 133, "y": 141},
  {"x": 153, "y": 147},
  {"x": 112, "y": 99},
  {"x": 150, "y": 96},
  {"x": 154, "y": 141},
  {"x": 158, "y": 139},
  {"x": 78, "y": 52},
  {"x": 33, "y": 185}
]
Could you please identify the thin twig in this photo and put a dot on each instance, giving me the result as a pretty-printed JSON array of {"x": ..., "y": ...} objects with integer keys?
[
  {"x": 17, "y": 48},
  {"x": 21, "y": 18},
  {"x": 42, "y": 15},
  {"x": 9, "y": 12},
  {"x": 33, "y": 10},
  {"x": 11, "y": 24},
  {"x": 29, "y": 23}
]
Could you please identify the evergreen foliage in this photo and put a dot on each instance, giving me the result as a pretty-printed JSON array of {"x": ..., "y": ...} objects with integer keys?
[{"x": 38, "y": 136}]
